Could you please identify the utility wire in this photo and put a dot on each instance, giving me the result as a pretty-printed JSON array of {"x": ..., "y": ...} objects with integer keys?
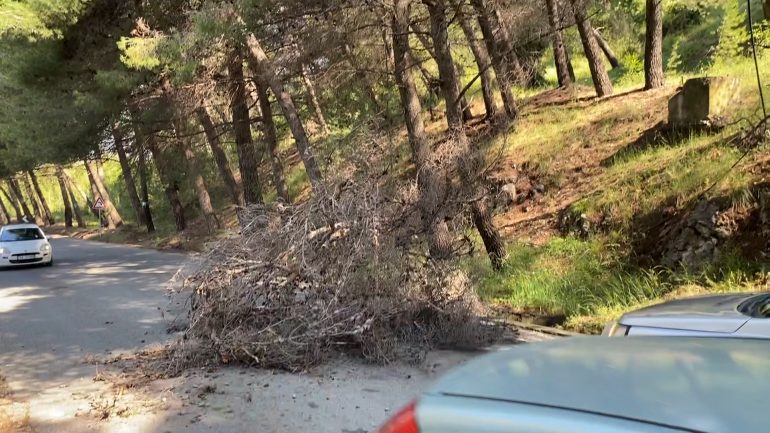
[{"x": 762, "y": 124}]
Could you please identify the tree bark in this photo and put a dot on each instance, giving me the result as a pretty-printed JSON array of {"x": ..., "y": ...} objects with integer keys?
[
  {"x": 450, "y": 87},
  {"x": 220, "y": 157},
  {"x": 265, "y": 69},
  {"x": 43, "y": 202},
  {"x": 16, "y": 191},
  {"x": 271, "y": 140},
  {"x": 110, "y": 213},
  {"x": 599, "y": 75},
  {"x": 470, "y": 161},
  {"x": 95, "y": 194},
  {"x": 493, "y": 242},
  {"x": 483, "y": 62},
  {"x": 143, "y": 143},
  {"x": 425, "y": 42},
  {"x": 128, "y": 177},
  {"x": 145, "y": 191},
  {"x": 248, "y": 160},
  {"x": 559, "y": 49},
  {"x": 431, "y": 185},
  {"x": 5, "y": 217},
  {"x": 39, "y": 217},
  {"x": 193, "y": 166},
  {"x": 312, "y": 98},
  {"x": 169, "y": 185},
  {"x": 13, "y": 202},
  {"x": 75, "y": 206},
  {"x": 65, "y": 195},
  {"x": 499, "y": 51},
  {"x": 653, "y": 47},
  {"x": 606, "y": 49},
  {"x": 363, "y": 79},
  {"x": 410, "y": 98}
]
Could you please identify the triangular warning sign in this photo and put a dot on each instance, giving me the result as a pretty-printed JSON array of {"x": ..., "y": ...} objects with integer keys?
[{"x": 99, "y": 205}]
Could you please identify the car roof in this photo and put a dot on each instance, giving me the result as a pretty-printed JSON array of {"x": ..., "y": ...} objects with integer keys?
[
  {"x": 20, "y": 226},
  {"x": 716, "y": 385}
]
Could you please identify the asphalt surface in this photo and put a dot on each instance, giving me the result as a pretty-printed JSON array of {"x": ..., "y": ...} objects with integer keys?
[{"x": 97, "y": 299}]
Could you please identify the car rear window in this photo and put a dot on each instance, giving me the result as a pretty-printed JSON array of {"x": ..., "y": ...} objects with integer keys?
[
  {"x": 18, "y": 235},
  {"x": 756, "y": 306}
]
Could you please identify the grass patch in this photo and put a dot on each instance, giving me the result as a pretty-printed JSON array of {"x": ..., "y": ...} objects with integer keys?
[{"x": 588, "y": 282}]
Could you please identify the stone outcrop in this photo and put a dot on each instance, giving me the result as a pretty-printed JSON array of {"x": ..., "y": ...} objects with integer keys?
[
  {"x": 703, "y": 102},
  {"x": 695, "y": 241}
]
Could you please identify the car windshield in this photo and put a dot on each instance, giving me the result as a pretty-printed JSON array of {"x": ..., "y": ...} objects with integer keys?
[
  {"x": 18, "y": 235},
  {"x": 757, "y": 306}
]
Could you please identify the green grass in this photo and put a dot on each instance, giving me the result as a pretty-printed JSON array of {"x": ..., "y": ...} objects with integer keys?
[{"x": 590, "y": 283}]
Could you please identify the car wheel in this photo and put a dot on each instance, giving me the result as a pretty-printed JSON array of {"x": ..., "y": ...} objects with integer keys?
[{"x": 49, "y": 264}]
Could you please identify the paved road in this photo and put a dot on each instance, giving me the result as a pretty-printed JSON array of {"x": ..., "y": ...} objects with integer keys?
[{"x": 97, "y": 298}]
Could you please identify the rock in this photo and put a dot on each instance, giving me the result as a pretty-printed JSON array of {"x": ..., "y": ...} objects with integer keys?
[
  {"x": 695, "y": 241},
  {"x": 703, "y": 102},
  {"x": 540, "y": 188},
  {"x": 572, "y": 223},
  {"x": 507, "y": 195}
]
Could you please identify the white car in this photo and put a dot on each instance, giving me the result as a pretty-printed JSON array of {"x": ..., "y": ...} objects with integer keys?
[
  {"x": 24, "y": 244},
  {"x": 737, "y": 315}
]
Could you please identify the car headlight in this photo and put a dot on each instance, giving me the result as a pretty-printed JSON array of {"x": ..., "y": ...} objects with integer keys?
[
  {"x": 45, "y": 249},
  {"x": 615, "y": 329},
  {"x": 4, "y": 251}
]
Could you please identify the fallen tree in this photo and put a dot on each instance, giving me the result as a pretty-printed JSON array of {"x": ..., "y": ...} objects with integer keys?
[{"x": 347, "y": 271}]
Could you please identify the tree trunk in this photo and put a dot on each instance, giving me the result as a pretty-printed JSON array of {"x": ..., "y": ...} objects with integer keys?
[
  {"x": 450, "y": 87},
  {"x": 16, "y": 191},
  {"x": 36, "y": 207},
  {"x": 143, "y": 143},
  {"x": 128, "y": 177},
  {"x": 193, "y": 167},
  {"x": 6, "y": 217},
  {"x": 265, "y": 69},
  {"x": 493, "y": 242},
  {"x": 199, "y": 184},
  {"x": 43, "y": 202},
  {"x": 73, "y": 187},
  {"x": 90, "y": 203},
  {"x": 145, "y": 191},
  {"x": 653, "y": 47},
  {"x": 169, "y": 185},
  {"x": 410, "y": 98},
  {"x": 425, "y": 42},
  {"x": 499, "y": 53},
  {"x": 271, "y": 140},
  {"x": 431, "y": 185},
  {"x": 312, "y": 98},
  {"x": 220, "y": 157},
  {"x": 65, "y": 195},
  {"x": 13, "y": 203},
  {"x": 601, "y": 80},
  {"x": 113, "y": 216},
  {"x": 75, "y": 206},
  {"x": 470, "y": 161},
  {"x": 559, "y": 49},
  {"x": 363, "y": 79},
  {"x": 483, "y": 62},
  {"x": 248, "y": 160},
  {"x": 606, "y": 49},
  {"x": 569, "y": 66}
]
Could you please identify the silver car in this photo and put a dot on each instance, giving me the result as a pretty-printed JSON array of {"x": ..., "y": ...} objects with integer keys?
[
  {"x": 735, "y": 315},
  {"x": 601, "y": 385}
]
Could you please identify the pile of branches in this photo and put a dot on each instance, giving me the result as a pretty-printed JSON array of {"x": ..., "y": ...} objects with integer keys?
[{"x": 342, "y": 272}]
